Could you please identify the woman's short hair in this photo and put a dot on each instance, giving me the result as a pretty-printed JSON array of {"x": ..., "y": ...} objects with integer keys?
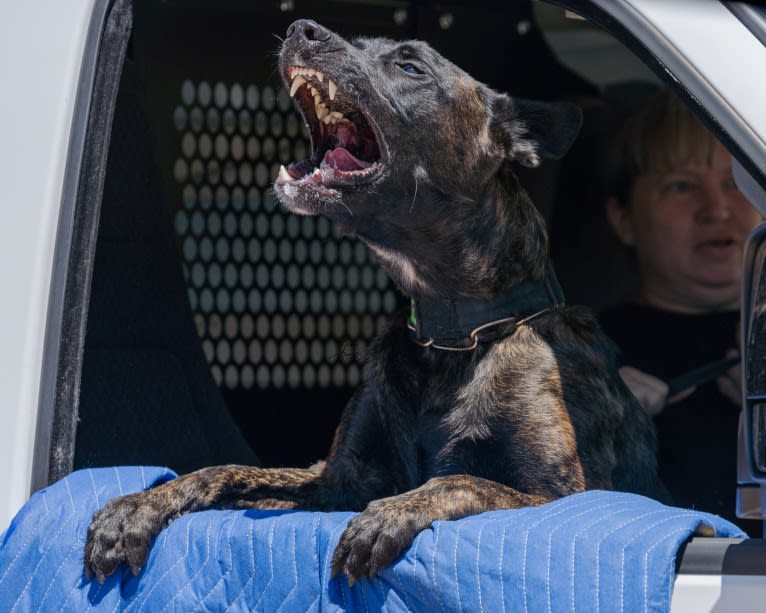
[{"x": 659, "y": 136}]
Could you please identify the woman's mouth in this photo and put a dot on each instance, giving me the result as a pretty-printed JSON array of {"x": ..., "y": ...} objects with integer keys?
[{"x": 723, "y": 247}]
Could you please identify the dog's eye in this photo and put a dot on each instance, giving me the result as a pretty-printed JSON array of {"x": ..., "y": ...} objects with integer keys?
[{"x": 410, "y": 68}]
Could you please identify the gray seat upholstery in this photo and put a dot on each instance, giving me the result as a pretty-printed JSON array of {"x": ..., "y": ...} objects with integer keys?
[{"x": 147, "y": 394}]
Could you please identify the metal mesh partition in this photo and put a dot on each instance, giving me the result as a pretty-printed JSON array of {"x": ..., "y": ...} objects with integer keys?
[{"x": 279, "y": 300}]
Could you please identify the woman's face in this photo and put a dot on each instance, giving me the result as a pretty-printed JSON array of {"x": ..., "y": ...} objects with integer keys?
[{"x": 688, "y": 227}]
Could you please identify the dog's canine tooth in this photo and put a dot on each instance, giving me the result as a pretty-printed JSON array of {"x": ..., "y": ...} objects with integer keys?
[
  {"x": 332, "y": 87},
  {"x": 283, "y": 174},
  {"x": 322, "y": 111},
  {"x": 319, "y": 75},
  {"x": 297, "y": 82}
]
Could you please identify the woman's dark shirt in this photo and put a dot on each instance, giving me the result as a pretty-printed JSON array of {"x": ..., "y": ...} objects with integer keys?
[{"x": 698, "y": 435}]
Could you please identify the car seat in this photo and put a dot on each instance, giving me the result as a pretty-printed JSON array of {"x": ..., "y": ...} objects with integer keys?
[{"x": 147, "y": 395}]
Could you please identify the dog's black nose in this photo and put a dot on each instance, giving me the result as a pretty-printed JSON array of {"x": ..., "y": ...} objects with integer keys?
[{"x": 308, "y": 30}]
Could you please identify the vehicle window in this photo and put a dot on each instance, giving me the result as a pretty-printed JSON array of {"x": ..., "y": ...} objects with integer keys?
[{"x": 282, "y": 308}]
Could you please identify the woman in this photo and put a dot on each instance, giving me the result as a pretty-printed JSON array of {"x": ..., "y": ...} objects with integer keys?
[{"x": 674, "y": 202}]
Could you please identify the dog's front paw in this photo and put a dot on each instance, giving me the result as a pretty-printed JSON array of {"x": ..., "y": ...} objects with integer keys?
[
  {"x": 121, "y": 533},
  {"x": 375, "y": 538}
]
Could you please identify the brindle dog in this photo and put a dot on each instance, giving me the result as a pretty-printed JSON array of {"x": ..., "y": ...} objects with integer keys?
[{"x": 493, "y": 394}]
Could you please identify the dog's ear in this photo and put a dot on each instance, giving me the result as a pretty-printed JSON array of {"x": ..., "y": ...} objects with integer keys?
[{"x": 529, "y": 130}]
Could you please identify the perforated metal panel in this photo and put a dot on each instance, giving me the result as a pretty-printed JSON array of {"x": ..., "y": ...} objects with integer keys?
[{"x": 279, "y": 300}]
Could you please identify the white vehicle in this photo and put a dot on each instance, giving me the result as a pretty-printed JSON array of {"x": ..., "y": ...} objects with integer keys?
[{"x": 99, "y": 361}]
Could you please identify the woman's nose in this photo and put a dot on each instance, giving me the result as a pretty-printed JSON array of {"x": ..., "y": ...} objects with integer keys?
[{"x": 716, "y": 203}]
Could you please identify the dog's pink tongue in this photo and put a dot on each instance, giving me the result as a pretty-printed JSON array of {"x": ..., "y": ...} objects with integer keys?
[{"x": 341, "y": 159}]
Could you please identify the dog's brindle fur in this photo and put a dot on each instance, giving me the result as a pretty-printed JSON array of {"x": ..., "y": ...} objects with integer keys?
[{"x": 431, "y": 435}]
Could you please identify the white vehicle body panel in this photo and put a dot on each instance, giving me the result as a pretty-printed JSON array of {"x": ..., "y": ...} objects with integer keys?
[
  {"x": 41, "y": 51},
  {"x": 698, "y": 593}
]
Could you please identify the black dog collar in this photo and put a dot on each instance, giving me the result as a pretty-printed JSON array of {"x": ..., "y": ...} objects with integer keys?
[{"x": 460, "y": 325}]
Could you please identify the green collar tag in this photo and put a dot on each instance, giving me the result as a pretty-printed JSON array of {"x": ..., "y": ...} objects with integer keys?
[{"x": 413, "y": 317}]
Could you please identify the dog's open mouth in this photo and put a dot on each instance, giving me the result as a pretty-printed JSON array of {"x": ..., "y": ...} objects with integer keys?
[{"x": 345, "y": 149}]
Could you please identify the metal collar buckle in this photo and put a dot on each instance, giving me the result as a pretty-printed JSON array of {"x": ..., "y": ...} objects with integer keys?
[{"x": 474, "y": 335}]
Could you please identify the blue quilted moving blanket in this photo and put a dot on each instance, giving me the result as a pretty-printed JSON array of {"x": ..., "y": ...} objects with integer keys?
[{"x": 595, "y": 551}]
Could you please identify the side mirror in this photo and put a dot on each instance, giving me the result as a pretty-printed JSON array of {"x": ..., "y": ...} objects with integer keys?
[{"x": 751, "y": 469}]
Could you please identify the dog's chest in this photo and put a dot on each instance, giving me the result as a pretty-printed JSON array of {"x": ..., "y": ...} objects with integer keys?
[
  {"x": 441, "y": 451},
  {"x": 447, "y": 419},
  {"x": 454, "y": 434}
]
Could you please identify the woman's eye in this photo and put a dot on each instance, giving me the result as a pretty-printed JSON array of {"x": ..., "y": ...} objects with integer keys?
[
  {"x": 679, "y": 187},
  {"x": 410, "y": 68}
]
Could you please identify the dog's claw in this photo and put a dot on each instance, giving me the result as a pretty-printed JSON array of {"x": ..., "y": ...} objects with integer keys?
[
  {"x": 120, "y": 533},
  {"x": 374, "y": 539},
  {"x": 347, "y": 560}
]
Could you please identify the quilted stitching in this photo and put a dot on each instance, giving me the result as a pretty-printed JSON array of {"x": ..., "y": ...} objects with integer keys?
[{"x": 595, "y": 551}]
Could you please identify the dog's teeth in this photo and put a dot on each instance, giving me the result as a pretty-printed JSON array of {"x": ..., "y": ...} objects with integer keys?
[
  {"x": 297, "y": 82},
  {"x": 332, "y": 87},
  {"x": 335, "y": 116},
  {"x": 319, "y": 75},
  {"x": 283, "y": 174},
  {"x": 322, "y": 111}
]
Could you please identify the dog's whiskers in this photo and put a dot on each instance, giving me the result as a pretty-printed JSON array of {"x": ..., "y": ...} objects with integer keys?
[
  {"x": 415, "y": 195},
  {"x": 419, "y": 173},
  {"x": 345, "y": 206}
]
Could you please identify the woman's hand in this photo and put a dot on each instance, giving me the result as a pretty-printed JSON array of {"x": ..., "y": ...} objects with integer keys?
[{"x": 651, "y": 392}]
